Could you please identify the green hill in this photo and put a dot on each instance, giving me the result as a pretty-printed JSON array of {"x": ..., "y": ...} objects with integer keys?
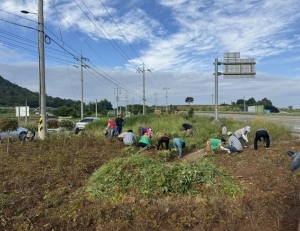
[{"x": 14, "y": 95}]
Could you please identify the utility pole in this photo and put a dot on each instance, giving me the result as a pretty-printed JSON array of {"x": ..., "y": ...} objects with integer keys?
[
  {"x": 117, "y": 98},
  {"x": 244, "y": 104},
  {"x": 132, "y": 104},
  {"x": 42, "y": 125},
  {"x": 144, "y": 98},
  {"x": 96, "y": 108},
  {"x": 81, "y": 74},
  {"x": 212, "y": 100},
  {"x": 166, "y": 88},
  {"x": 126, "y": 103},
  {"x": 155, "y": 100}
]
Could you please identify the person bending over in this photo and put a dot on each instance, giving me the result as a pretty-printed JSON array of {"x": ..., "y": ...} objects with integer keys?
[{"x": 259, "y": 135}]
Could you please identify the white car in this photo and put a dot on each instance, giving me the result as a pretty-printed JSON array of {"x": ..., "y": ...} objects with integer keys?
[
  {"x": 19, "y": 133},
  {"x": 84, "y": 121}
]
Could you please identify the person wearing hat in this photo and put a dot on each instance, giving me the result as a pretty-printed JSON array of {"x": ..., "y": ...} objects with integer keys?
[
  {"x": 234, "y": 145},
  {"x": 144, "y": 141},
  {"x": 223, "y": 130},
  {"x": 262, "y": 133},
  {"x": 241, "y": 134}
]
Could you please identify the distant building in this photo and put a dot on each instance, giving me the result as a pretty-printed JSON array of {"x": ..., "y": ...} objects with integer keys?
[
  {"x": 38, "y": 109},
  {"x": 262, "y": 109}
]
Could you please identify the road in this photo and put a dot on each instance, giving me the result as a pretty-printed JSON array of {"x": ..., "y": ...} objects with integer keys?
[{"x": 292, "y": 121}]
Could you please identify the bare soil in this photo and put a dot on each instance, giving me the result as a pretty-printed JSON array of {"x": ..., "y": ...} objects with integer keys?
[{"x": 41, "y": 189}]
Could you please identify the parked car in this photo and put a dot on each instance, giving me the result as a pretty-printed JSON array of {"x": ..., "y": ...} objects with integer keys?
[
  {"x": 19, "y": 133},
  {"x": 84, "y": 121}
]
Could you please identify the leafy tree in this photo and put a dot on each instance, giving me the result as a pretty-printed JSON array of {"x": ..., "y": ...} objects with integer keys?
[
  {"x": 240, "y": 102},
  {"x": 250, "y": 101},
  {"x": 189, "y": 100},
  {"x": 265, "y": 102},
  {"x": 7, "y": 125},
  {"x": 104, "y": 105},
  {"x": 65, "y": 111},
  {"x": 191, "y": 112}
]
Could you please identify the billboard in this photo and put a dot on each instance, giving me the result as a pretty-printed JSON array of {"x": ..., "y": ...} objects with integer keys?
[
  {"x": 235, "y": 67},
  {"x": 22, "y": 111}
]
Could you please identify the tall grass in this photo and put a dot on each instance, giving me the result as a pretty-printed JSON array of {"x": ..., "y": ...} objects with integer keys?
[{"x": 203, "y": 128}]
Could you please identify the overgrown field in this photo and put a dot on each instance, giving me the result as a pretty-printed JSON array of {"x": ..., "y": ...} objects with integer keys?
[{"x": 86, "y": 182}]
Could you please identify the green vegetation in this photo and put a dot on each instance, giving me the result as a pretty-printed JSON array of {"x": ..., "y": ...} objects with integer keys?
[{"x": 140, "y": 176}]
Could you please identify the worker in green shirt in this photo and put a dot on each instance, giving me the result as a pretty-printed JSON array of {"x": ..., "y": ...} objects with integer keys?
[
  {"x": 144, "y": 141},
  {"x": 213, "y": 144}
]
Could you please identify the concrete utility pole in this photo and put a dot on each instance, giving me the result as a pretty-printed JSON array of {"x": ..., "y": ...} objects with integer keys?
[
  {"x": 42, "y": 127},
  {"x": 155, "y": 100},
  {"x": 144, "y": 98},
  {"x": 81, "y": 77},
  {"x": 126, "y": 111},
  {"x": 166, "y": 88},
  {"x": 216, "y": 63},
  {"x": 96, "y": 109},
  {"x": 117, "y": 98}
]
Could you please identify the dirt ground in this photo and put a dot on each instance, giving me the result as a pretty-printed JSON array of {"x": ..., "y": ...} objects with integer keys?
[{"x": 39, "y": 182}]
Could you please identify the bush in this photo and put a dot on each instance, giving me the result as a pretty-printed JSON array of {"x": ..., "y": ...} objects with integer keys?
[
  {"x": 52, "y": 123},
  {"x": 8, "y": 125},
  {"x": 67, "y": 124},
  {"x": 167, "y": 155}
]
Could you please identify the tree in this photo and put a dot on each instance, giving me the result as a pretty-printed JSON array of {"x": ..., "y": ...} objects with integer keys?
[
  {"x": 265, "y": 102},
  {"x": 240, "y": 102},
  {"x": 189, "y": 100},
  {"x": 250, "y": 101}
]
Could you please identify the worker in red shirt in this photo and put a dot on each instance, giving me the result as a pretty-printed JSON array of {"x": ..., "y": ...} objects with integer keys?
[{"x": 111, "y": 125}]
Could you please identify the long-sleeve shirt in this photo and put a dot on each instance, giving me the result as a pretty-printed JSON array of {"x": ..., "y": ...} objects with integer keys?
[
  {"x": 233, "y": 141},
  {"x": 241, "y": 133},
  {"x": 129, "y": 138},
  {"x": 178, "y": 143}
]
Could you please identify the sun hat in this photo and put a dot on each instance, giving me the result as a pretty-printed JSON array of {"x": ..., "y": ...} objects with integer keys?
[
  {"x": 229, "y": 133},
  {"x": 248, "y": 128}
]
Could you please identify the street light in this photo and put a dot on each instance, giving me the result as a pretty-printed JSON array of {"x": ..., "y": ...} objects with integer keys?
[{"x": 42, "y": 122}]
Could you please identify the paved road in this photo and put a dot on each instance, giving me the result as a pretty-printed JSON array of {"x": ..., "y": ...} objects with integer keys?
[{"x": 292, "y": 121}]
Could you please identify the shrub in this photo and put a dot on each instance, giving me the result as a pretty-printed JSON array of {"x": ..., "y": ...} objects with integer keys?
[
  {"x": 166, "y": 155},
  {"x": 68, "y": 124},
  {"x": 8, "y": 125},
  {"x": 52, "y": 123}
]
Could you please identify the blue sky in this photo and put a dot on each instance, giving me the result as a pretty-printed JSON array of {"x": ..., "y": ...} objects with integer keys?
[{"x": 177, "y": 40}]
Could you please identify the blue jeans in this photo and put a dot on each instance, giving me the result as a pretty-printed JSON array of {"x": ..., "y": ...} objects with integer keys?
[
  {"x": 113, "y": 132},
  {"x": 232, "y": 149}
]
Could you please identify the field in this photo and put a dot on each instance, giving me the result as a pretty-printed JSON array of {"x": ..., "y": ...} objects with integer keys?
[{"x": 44, "y": 187}]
